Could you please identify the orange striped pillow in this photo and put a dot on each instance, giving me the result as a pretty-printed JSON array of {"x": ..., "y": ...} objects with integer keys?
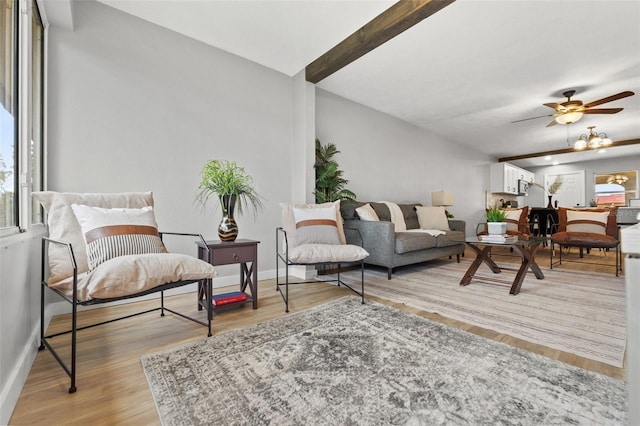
[
  {"x": 110, "y": 233},
  {"x": 316, "y": 226}
]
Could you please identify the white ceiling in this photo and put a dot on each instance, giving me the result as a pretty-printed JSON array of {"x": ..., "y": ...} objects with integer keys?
[{"x": 466, "y": 72}]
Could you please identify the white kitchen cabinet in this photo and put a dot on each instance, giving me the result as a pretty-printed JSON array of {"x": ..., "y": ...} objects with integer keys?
[{"x": 505, "y": 177}]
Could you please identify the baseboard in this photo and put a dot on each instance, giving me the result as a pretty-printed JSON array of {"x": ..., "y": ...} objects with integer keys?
[{"x": 13, "y": 387}]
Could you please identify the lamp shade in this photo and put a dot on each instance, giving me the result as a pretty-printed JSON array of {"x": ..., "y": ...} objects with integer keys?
[
  {"x": 569, "y": 117},
  {"x": 441, "y": 198}
]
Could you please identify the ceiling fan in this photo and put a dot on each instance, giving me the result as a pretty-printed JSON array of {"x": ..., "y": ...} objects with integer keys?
[{"x": 572, "y": 110}]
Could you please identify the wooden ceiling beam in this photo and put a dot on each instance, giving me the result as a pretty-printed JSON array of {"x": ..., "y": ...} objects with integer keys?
[
  {"x": 393, "y": 21},
  {"x": 565, "y": 151}
]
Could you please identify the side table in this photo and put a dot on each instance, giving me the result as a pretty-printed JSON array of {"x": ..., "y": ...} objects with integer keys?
[{"x": 244, "y": 252}]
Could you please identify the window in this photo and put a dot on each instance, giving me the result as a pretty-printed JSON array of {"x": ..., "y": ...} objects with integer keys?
[
  {"x": 616, "y": 188},
  {"x": 35, "y": 119},
  {"x": 21, "y": 113},
  {"x": 8, "y": 111}
]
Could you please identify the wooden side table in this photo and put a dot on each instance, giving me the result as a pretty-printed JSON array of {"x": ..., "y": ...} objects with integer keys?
[{"x": 244, "y": 252}]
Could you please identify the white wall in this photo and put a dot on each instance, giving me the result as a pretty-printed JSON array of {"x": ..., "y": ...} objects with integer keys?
[
  {"x": 385, "y": 158},
  {"x": 19, "y": 314},
  {"x": 135, "y": 107}
]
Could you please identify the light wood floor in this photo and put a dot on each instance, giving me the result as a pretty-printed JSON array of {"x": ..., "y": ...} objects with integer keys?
[{"x": 112, "y": 388}]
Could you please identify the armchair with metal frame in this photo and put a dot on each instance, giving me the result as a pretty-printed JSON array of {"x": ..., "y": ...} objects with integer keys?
[
  {"x": 587, "y": 229},
  {"x": 314, "y": 255},
  {"x": 312, "y": 235},
  {"x": 66, "y": 272}
]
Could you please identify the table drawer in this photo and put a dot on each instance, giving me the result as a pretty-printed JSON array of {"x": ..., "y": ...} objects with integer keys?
[{"x": 226, "y": 256}]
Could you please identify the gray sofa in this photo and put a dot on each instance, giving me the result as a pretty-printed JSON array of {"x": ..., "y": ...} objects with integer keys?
[{"x": 391, "y": 249}]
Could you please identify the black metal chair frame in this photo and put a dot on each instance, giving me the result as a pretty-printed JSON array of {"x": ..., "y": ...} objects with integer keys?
[
  {"x": 44, "y": 339},
  {"x": 285, "y": 259}
]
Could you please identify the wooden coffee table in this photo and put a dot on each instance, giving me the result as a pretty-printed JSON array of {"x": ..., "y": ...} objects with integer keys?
[{"x": 525, "y": 248}]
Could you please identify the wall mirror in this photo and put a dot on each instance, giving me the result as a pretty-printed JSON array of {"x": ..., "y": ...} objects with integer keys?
[{"x": 616, "y": 188}]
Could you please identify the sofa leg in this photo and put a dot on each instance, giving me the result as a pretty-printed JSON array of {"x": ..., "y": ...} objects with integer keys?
[
  {"x": 389, "y": 272},
  {"x": 458, "y": 257}
]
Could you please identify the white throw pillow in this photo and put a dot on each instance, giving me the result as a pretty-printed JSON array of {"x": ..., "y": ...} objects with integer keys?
[
  {"x": 114, "y": 232},
  {"x": 594, "y": 222},
  {"x": 513, "y": 215},
  {"x": 316, "y": 226},
  {"x": 432, "y": 218},
  {"x": 366, "y": 212},
  {"x": 289, "y": 222}
]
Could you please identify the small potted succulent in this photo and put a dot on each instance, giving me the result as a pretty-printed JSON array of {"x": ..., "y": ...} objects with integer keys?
[
  {"x": 230, "y": 184},
  {"x": 496, "y": 224}
]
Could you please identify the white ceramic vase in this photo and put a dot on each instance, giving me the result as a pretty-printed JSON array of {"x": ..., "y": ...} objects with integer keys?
[{"x": 497, "y": 228}]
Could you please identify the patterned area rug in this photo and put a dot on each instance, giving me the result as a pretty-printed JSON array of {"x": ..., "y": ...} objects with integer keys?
[
  {"x": 348, "y": 363},
  {"x": 577, "y": 312}
]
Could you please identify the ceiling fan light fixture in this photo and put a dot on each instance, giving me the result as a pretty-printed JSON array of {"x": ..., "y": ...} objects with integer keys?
[
  {"x": 593, "y": 140},
  {"x": 569, "y": 117}
]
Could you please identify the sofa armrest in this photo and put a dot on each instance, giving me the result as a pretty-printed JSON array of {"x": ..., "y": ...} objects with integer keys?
[
  {"x": 457, "y": 225},
  {"x": 378, "y": 237}
]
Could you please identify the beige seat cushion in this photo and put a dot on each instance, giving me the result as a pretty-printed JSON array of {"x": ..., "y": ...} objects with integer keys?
[
  {"x": 323, "y": 253},
  {"x": 128, "y": 275}
]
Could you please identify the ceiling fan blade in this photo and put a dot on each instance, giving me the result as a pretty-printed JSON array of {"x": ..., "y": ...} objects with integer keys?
[
  {"x": 532, "y": 118},
  {"x": 553, "y": 123},
  {"x": 609, "y": 99},
  {"x": 552, "y": 105},
  {"x": 602, "y": 111}
]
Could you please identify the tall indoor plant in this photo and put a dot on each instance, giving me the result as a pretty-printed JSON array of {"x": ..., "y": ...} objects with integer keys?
[
  {"x": 330, "y": 185},
  {"x": 231, "y": 185}
]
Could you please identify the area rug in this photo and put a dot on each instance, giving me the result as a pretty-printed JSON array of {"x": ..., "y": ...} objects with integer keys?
[
  {"x": 577, "y": 312},
  {"x": 345, "y": 363}
]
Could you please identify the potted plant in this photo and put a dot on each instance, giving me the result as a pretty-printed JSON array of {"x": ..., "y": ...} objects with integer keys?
[
  {"x": 330, "y": 185},
  {"x": 231, "y": 185},
  {"x": 496, "y": 224}
]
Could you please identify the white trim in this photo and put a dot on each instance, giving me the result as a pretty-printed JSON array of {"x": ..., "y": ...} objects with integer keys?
[{"x": 15, "y": 382}]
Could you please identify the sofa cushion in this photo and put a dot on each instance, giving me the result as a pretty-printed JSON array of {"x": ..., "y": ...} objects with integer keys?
[
  {"x": 348, "y": 209},
  {"x": 412, "y": 241},
  {"x": 451, "y": 238},
  {"x": 410, "y": 215},
  {"x": 382, "y": 211}
]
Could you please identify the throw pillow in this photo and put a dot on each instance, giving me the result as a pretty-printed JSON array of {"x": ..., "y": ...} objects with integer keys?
[
  {"x": 316, "y": 226},
  {"x": 366, "y": 212},
  {"x": 289, "y": 222},
  {"x": 513, "y": 219},
  {"x": 114, "y": 232},
  {"x": 586, "y": 221},
  {"x": 432, "y": 218}
]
